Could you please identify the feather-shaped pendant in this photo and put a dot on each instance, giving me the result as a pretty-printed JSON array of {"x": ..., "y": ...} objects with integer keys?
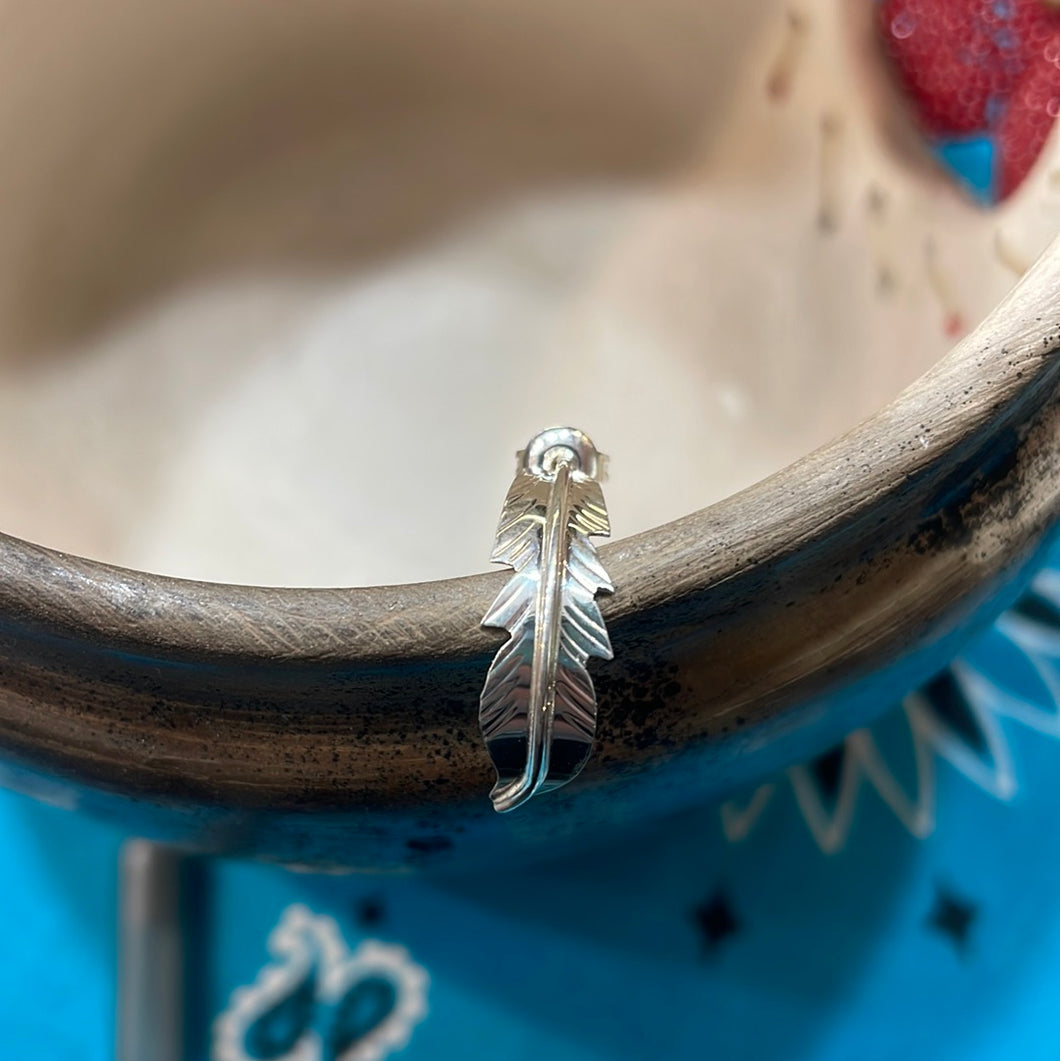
[{"x": 538, "y": 707}]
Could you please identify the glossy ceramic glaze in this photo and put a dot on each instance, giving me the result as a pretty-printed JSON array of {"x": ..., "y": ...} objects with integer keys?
[
  {"x": 341, "y": 726},
  {"x": 338, "y": 727}
]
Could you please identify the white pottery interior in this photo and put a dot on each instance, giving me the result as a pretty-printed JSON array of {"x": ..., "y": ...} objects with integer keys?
[{"x": 284, "y": 285}]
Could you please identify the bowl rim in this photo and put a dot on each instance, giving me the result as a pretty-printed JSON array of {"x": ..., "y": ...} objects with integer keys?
[
  {"x": 890, "y": 542},
  {"x": 1000, "y": 363}
]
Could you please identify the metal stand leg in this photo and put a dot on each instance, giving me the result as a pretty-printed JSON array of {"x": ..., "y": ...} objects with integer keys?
[{"x": 151, "y": 955}]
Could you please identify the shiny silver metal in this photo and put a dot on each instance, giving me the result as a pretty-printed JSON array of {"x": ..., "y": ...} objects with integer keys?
[{"x": 538, "y": 707}]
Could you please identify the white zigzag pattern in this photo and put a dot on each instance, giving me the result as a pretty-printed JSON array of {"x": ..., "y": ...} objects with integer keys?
[{"x": 863, "y": 763}]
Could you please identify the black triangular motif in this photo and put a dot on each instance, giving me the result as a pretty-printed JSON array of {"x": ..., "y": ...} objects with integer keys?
[
  {"x": 1037, "y": 609},
  {"x": 951, "y": 707},
  {"x": 716, "y": 921},
  {"x": 827, "y": 772}
]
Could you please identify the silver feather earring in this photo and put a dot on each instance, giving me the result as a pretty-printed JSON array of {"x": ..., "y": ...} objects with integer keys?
[{"x": 538, "y": 706}]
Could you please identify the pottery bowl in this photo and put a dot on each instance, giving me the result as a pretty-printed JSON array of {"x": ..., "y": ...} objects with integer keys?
[{"x": 338, "y": 727}]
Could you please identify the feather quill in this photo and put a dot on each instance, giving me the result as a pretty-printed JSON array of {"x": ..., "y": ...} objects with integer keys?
[{"x": 538, "y": 707}]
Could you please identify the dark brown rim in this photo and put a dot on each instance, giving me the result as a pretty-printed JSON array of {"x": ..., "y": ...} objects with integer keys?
[{"x": 879, "y": 545}]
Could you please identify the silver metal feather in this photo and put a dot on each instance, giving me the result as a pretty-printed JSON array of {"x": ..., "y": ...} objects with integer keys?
[{"x": 538, "y": 707}]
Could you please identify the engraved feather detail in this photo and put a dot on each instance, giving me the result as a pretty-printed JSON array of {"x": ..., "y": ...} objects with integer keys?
[{"x": 538, "y": 707}]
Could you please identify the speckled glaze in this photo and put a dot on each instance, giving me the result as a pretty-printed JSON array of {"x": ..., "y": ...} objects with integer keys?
[{"x": 339, "y": 727}]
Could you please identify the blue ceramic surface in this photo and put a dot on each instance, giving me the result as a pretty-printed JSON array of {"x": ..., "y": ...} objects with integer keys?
[{"x": 898, "y": 896}]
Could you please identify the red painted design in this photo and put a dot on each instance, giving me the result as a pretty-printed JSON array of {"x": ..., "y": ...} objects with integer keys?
[{"x": 980, "y": 67}]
